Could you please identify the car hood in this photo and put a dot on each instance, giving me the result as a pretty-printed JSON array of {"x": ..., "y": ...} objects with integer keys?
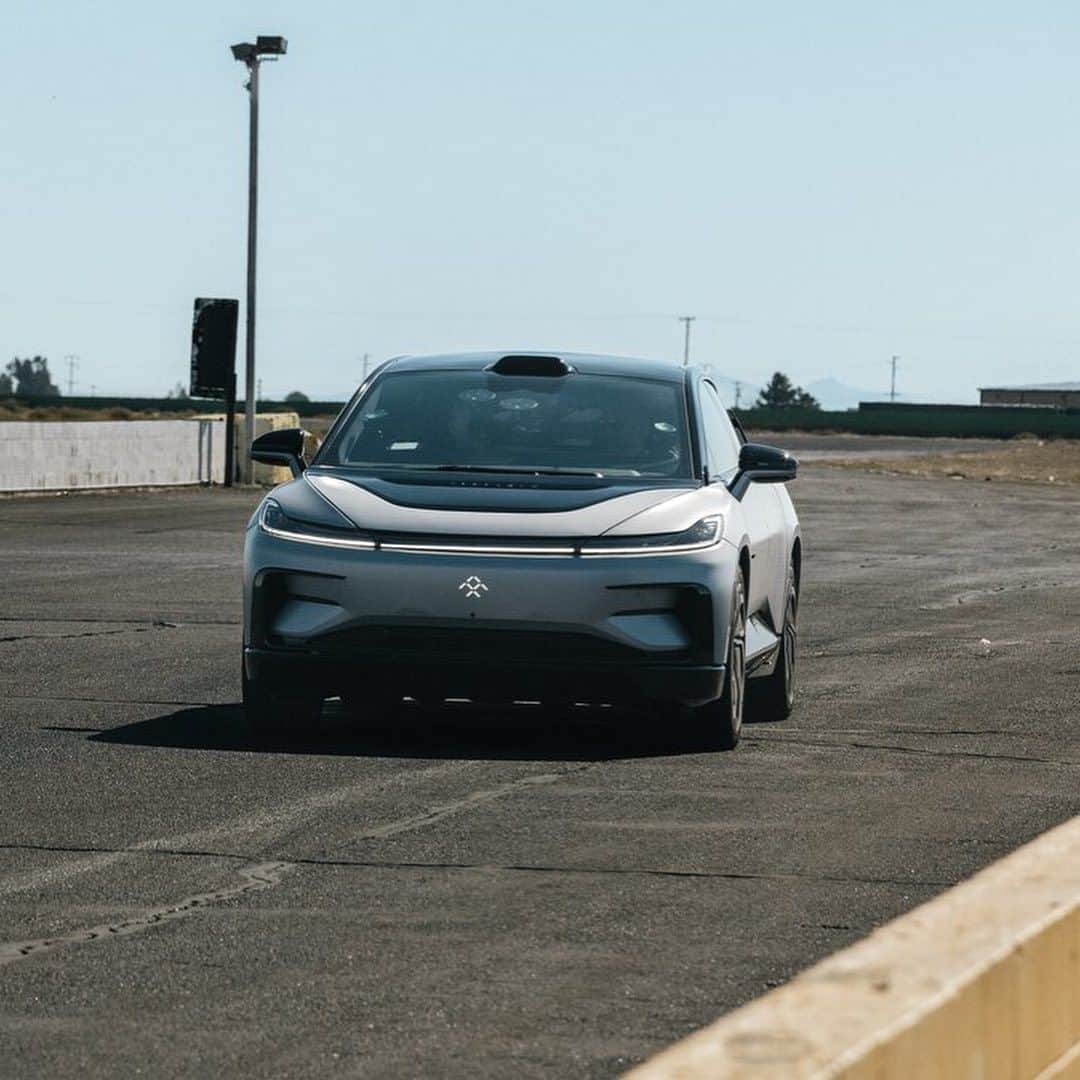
[{"x": 510, "y": 508}]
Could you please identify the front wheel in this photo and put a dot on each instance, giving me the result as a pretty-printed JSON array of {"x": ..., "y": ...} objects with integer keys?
[
  {"x": 772, "y": 697},
  {"x": 271, "y": 712},
  {"x": 719, "y": 722}
]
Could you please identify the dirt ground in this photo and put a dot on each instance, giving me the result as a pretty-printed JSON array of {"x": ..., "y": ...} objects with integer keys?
[
  {"x": 1040, "y": 460},
  {"x": 10, "y": 409}
]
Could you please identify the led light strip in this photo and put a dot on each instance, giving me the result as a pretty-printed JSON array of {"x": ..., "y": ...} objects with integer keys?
[
  {"x": 442, "y": 549},
  {"x": 324, "y": 541},
  {"x": 452, "y": 549},
  {"x": 575, "y": 551},
  {"x": 670, "y": 549}
]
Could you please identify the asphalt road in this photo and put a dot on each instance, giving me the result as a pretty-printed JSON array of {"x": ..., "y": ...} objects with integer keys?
[{"x": 520, "y": 894}]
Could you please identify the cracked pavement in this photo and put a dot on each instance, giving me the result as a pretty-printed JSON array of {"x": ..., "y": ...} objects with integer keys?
[{"x": 521, "y": 892}]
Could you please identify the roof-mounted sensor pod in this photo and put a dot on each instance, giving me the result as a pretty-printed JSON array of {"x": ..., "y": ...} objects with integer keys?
[{"x": 531, "y": 365}]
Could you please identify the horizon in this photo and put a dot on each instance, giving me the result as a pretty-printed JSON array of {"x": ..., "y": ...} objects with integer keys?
[{"x": 831, "y": 394}]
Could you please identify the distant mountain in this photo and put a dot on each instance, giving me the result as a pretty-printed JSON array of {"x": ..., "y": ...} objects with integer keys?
[{"x": 832, "y": 394}]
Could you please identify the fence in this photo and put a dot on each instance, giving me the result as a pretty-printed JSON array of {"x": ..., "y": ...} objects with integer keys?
[
  {"x": 180, "y": 405},
  {"x": 965, "y": 421},
  {"x": 871, "y": 418}
]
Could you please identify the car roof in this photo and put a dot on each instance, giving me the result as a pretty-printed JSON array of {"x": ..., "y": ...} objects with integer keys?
[{"x": 586, "y": 363}]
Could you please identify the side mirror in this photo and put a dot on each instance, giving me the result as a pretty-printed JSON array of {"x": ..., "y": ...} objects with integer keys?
[
  {"x": 759, "y": 464},
  {"x": 283, "y": 447}
]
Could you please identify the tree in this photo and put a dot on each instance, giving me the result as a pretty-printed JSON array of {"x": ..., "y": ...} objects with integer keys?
[
  {"x": 7, "y": 387},
  {"x": 297, "y": 396},
  {"x": 781, "y": 393},
  {"x": 32, "y": 378},
  {"x": 179, "y": 391}
]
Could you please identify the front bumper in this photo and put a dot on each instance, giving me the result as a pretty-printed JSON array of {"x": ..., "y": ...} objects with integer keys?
[{"x": 488, "y": 627}]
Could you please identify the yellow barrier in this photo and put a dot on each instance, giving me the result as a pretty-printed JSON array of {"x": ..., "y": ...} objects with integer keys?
[{"x": 981, "y": 982}]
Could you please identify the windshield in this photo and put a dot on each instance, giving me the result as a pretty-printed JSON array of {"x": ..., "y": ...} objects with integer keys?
[{"x": 479, "y": 420}]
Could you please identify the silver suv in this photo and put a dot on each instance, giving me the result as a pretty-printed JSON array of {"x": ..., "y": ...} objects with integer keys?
[{"x": 493, "y": 527}]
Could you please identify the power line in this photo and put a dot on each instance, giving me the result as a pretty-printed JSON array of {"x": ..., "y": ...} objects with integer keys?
[{"x": 933, "y": 333}]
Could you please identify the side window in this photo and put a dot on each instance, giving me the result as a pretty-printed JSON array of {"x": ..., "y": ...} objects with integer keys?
[{"x": 720, "y": 438}]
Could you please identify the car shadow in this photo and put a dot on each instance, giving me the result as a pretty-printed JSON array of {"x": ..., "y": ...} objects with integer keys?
[{"x": 469, "y": 733}]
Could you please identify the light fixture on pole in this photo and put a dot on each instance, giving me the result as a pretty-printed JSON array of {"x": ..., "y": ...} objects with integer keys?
[{"x": 265, "y": 48}]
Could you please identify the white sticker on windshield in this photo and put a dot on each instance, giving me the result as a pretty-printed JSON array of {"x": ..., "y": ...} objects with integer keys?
[{"x": 404, "y": 445}]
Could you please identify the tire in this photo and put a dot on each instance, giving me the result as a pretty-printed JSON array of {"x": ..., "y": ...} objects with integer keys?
[
  {"x": 772, "y": 697},
  {"x": 271, "y": 713},
  {"x": 718, "y": 723}
]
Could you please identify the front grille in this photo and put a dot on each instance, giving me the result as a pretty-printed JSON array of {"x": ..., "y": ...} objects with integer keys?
[{"x": 479, "y": 645}]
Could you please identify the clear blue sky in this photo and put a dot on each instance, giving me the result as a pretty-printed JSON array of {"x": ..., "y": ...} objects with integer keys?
[{"x": 822, "y": 185}]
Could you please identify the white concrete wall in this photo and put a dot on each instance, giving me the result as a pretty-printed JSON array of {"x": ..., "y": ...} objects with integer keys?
[{"x": 61, "y": 455}]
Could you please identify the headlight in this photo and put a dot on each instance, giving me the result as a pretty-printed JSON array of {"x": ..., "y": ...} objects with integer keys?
[
  {"x": 274, "y": 520},
  {"x": 703, "y": 534}
]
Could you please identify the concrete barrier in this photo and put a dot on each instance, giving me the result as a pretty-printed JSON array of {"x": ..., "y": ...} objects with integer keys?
[
  {"x": 61, "y": 455},
  {"x": 981, "y": 982}
]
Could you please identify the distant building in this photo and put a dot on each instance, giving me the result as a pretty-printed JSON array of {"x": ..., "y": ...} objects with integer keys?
[{"x": 1049, "y": 395}]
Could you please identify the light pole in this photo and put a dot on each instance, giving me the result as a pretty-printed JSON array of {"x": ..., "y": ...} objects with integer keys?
[
  {"x": 265, "y": 48},
  {"x": 686, "y": 320}
]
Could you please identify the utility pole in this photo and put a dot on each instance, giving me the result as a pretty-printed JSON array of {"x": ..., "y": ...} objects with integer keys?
[
  {"x": 738, "y": 393},
  {"x": 686, "y": 320},
  {"x": 258, "y": 392},
  {"x": 364, "y": 376},
  {"x": 72, "y": 363},
  {"x": 892, "y": 391},
  {"x": 252, "y": 55}
]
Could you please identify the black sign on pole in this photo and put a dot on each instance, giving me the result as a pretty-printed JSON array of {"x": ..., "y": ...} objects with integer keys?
[{"x": 213, "y": 362}]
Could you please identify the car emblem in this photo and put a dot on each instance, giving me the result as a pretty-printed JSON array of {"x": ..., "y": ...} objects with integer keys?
[{"x": 472, "y": 587}]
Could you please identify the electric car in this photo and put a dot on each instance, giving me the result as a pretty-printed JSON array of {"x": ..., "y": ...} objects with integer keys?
[{"x": 525, "y": 527}]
